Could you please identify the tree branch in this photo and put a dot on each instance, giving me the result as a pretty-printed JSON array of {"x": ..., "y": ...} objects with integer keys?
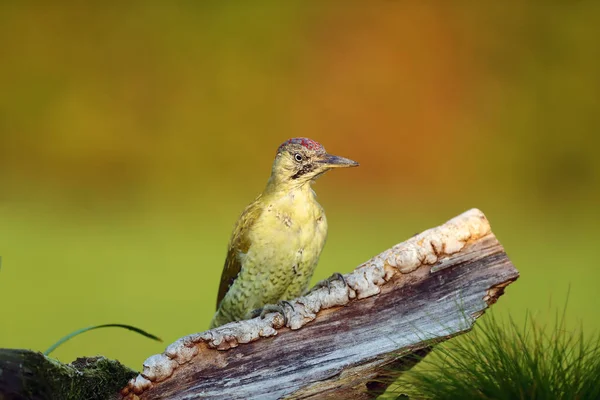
[{"x": 355, "y": 338}]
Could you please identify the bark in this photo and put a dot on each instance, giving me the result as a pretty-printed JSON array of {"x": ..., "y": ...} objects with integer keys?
[{"x": 350, "y": 340}]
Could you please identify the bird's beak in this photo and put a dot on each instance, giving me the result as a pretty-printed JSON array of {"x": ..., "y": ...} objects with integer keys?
[{"x": 331, "y": 161}]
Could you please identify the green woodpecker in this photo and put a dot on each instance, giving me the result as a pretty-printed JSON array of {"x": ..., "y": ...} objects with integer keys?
[{"x": 277, "y": 241}]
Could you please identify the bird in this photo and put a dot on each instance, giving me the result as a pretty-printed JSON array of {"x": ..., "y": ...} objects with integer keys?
[{"x": 277, "y": 240}]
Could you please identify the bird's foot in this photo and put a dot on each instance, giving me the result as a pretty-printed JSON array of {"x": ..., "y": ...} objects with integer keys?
[
  {"x": 273, "y": 308},
  {"x": 327, "y": 282}
]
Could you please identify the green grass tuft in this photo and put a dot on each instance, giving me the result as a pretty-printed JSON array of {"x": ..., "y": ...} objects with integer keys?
[{"x": 509, "y": 361}]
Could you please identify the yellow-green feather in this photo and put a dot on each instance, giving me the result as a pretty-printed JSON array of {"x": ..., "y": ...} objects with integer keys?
[{"x": 272, "y": 253}]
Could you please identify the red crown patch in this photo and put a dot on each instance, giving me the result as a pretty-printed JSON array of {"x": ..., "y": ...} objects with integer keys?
[{"x": 306, "y": 142}]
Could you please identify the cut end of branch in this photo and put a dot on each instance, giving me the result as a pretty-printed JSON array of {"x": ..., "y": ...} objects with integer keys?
[{"x": 494, "y": 293}]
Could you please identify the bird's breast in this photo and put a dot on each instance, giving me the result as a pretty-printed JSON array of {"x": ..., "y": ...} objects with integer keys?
[
  {"x": 292, "y": 225},
  {"x": 286, "y": 242}
]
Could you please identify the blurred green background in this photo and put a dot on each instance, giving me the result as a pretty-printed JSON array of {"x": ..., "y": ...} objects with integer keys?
[{"x": 132, "y": 135}]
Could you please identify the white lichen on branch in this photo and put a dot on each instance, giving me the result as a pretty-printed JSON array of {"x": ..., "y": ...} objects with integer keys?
[{"x": 426, "y": 248}]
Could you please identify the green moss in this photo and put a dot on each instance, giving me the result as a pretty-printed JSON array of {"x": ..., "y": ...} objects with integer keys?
[{"x": 32, "y": 375}]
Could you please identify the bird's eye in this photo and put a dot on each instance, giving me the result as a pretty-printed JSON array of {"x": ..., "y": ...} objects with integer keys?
[{"x": 298, "y": 157}]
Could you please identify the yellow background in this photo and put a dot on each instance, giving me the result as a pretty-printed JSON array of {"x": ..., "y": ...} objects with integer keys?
[{"x": 133, "y": 134}]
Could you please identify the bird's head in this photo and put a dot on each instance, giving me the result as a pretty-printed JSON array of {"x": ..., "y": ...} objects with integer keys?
[{"x": 302, "y": 160}]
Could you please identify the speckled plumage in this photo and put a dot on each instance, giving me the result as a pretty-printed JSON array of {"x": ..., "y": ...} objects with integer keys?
[{"x": 277, "y": 241}]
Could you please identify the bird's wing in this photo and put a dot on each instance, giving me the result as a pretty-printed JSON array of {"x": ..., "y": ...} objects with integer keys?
[{"x": 239, "y": 243}]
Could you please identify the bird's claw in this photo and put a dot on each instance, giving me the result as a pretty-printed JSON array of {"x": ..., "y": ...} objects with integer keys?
[
  {"x": 287, "y": 303},
  {"x": 327, "y": 282},
  {"x": 274, "y": 308},
  {"x": 339, "y": 277}
]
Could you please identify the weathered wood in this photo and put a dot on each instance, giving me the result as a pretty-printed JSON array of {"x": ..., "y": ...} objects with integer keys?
[{"x": 355, "y": 338}]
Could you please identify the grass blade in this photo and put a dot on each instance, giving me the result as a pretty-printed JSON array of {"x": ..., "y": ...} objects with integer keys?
[{"x": 89, "y": 328}]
